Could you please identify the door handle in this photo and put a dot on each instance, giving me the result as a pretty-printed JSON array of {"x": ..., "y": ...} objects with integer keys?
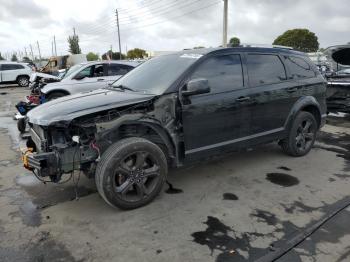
[
  {"x": 292, "y": 89},
  {"x": 243, "y": 98},
  {"x": 100, "y": 79}
]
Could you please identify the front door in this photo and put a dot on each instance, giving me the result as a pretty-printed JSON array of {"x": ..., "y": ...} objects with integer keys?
[
  {"x": 95, "y": 78},
  {"x": 217, "y": 119}
]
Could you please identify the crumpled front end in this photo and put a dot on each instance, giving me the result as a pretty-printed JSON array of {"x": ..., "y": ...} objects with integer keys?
[{"x": 54, "y": 151}]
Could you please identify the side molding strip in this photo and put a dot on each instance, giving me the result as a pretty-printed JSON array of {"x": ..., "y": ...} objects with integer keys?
[{"x": 195, "y": 150}]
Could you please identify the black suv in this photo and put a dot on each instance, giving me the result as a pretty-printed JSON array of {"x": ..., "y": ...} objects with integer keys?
[{"x": 175, "y": 109}]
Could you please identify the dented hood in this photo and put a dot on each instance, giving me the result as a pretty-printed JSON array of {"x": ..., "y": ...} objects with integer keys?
[{"x": 69, "y": 107}]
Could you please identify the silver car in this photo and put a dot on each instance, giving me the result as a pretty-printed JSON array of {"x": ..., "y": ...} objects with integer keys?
[{"x": 88, "y": 76}]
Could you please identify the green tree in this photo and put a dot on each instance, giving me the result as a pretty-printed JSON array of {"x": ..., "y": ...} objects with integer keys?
[
  {"x": 300, "y": 39},
  {"x": 136, "y": 53},
  {"x": 92, "y": 56},
  {"x": 73, "y": 42},
  {"x": 235, "y": 41},
  {"x": 1, "y": 58},
  {"x": 26, "y": 59},
  {"x": 112, "y": 55},
  {"x": 14, "y": 58},
  {"x": 198, "y": 47}
]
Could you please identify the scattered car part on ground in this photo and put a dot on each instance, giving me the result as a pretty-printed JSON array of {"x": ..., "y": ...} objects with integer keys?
[
  {"x": 13, "y": 72},
  {"x": 173, "y": 110}
]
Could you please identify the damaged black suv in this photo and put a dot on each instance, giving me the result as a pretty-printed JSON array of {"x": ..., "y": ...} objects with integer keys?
[{"x": 176, "y": 109}]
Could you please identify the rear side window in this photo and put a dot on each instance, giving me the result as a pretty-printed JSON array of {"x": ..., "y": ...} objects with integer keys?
[
  {"x": 117, "y": 69},
  {"x": 224, "y": 73},
  {"x": 5, "y": 67},
  {"x": 265, "y": 69},
  {"x": 298, "y": 67}
]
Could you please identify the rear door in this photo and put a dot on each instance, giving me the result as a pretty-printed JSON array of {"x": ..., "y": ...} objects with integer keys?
[
  {"x": 217, "y": 119},
  {"x": 115, "y": 71},
  {"x": 95, "y": 78},
  {"x": 271, "y": 93}
]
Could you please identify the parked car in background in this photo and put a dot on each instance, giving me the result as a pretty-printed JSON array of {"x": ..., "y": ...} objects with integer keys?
[
  {"x": 86, "y": 77},
  {"x": 176, "y": 109},
  {"x": 13, "y": 72}
]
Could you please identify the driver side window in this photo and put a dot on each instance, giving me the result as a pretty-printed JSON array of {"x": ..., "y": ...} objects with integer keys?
[
  {"x": 224, "y": 73},
  {"x": 86, "y": 72}
]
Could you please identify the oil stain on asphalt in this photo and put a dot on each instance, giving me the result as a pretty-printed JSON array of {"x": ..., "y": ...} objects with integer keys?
[
  {"x": 284, "y": 168},
  {"x": 217, "y": 236},
  {"x": 229, "y": 196},
  {"x": 282, "y": 179},
  {"x": 172, "y": 189}
]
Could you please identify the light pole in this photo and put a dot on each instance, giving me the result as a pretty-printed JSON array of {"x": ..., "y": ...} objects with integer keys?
[
  {"x": 224, "y": 36},
  {"x": 120, "y": 50}
]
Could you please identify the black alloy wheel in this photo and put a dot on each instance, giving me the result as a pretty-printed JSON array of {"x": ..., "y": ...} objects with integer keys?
[
  {"x": 131, "y": 173},
  {"x": 305, "y": 135},
  {"x": 136, "y": 176},
  {"x": 301, "y": 136}
]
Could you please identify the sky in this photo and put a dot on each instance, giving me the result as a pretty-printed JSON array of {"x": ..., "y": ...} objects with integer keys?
[{"x": 163, "y": 24}]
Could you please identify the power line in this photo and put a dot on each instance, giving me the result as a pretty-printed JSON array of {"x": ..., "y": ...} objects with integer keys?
[{"x": 102, "y": 30}]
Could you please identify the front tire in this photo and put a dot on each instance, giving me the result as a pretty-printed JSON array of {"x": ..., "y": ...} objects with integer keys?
[
  {"x": 21, "y": 125},
  {"x": 23, "y": 81},
  {"x": 301, "y": 135},
  {"x": 131, "y": 173}
]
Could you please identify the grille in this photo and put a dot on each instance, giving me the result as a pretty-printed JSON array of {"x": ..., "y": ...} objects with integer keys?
[{"x": 37, "y": 135}]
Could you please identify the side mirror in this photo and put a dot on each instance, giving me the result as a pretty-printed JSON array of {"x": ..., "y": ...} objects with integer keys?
[
  {"x": 196, "y": 87},
  {"x": 79, "y": 77}
]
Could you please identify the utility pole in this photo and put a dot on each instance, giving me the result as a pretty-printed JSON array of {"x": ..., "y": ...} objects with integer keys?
[
  {"x": 224, "y": 37},
  {"x": 54, "y": 40},
  {"x": 52, "y": 48},
  {"x": 37, "y": 42},
  {"x": 31, "y": 51},
  {"x": 120, "y": 50}
]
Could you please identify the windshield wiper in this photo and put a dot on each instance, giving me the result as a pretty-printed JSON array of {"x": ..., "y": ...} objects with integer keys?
[{"x": 121, "y": 87}]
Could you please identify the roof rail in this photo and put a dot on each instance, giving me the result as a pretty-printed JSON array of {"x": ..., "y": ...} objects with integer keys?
[{"x": 267, "y": 46}]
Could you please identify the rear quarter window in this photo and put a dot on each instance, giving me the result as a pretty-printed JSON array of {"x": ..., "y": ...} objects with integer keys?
[
  {"x": 298, "y": 67},
  {"x": 265, "y": 69}
]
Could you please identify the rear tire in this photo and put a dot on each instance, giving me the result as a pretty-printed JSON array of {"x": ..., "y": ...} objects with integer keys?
[
  {"x": 301, "y": 135},
  {"x": 23, "y": 81},
  {"x": 131, "y": 173},
  {"x": 55, "y": 95}
]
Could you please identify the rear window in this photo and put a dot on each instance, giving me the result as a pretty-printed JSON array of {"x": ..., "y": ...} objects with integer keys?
[
  {"x": 265, "y": 69},
  {"x": 298, "y": 67},
  {"x": 5, "y": 67}
]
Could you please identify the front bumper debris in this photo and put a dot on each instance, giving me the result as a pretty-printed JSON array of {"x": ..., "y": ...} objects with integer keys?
[{"x": 45, "y": 164}]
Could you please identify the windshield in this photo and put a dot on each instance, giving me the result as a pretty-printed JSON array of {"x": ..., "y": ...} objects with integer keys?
[
  {"x": 72, "y": 70},
  {"x": 157, "y": 74}
]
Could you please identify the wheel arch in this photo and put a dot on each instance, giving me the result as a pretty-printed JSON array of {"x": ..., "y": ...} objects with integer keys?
[
  {"x": 22, "y": 75},
  {"x": 308, "y": 104},
  {"x": 57, "y": 91},
  {"x": 149, "y": 130}
]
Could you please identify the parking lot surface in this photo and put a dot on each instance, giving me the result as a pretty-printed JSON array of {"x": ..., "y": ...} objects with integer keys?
[{"x": 256, "y": 205}]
